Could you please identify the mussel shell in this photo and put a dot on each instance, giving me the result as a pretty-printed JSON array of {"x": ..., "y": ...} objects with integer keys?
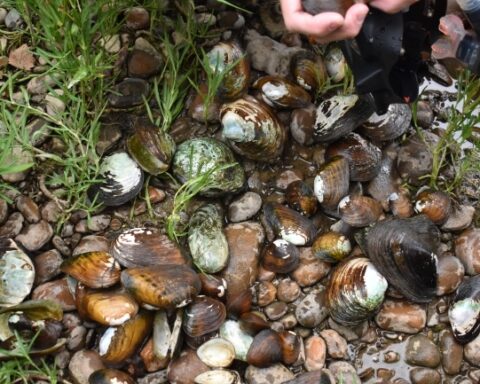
[
  {"x": 239, "y": 303},
  {"x": 355, "y": 291},
  {"x": 165, "y": 286},
  {"x": 363, "y": 157},
  {"x": 279, "y": 92},
  {"x": 252, "y": 129},
  {"x": 123, "y": 180},
  {"x": 253, "y": 322},
  {"x": 389, "y": 126},
  {"x": 143, "y": 247},
  {"x": 280, "y": 256},
  {"x": 110, "y": 376},
  {"x": 17, "y": 274},
  {"x": 197, "y": 157},
  {"x": 359, "y": 211},
  {"x": 151, "y": 148},
  {"x": 202, "y": 316},
  {"x": 94, "y": 269},
  {"x": 302, "y": 122},
  {"x": 336, "y": 64},
  {"x": 400, "y": 204},
  {"x": 464, "y": 312},
  {"x": 235, "y": 82},
  {"x": 437, "y": 205},
  {"x": 166, "y": 339},
  {"x": 266, "y": 349},
  {"x": 291, "y": 346},
  {"x": 289, "y": 224},
  {"x": 119, "y": 343},
  {"x": 340, "y": 115},
  {"x": 213, "y": 286},
  {"x": 308, "y": 70},
  {"x": 300, "y": 197},
  {"x": 403, "y": 252},
  {"x": 231, "y": 331},
  {"x": 331, "y": 247},
  {"x": 217, "y": 353},
  {"x": 206, "y": 240},
  {"x": 218, "y": 376},
  {"x": 332, "y": 182}
]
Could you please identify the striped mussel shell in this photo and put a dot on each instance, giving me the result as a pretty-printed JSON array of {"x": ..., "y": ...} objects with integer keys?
[
  {"x": 309, "y": 70},
  {"x": 437, "y": 205},
  {"x": 122, "y": 180},
  {"x": 331, "y": 247},
  {"x": 266, "y": 349},
  {"x": 300, "y": 196},
  {"x": 278, "y": 92},
  {"x": 202, "y": 316},
  {"x": 332, "y": 182},
  {"x": 252, "y": 129},
  {"x": 355, "y": 291},
  {"x": 389, "y": 126},
  {"x": 290, "y": 225},
  {"x": 142, "y": 247},
  {"x": 280, "y": 256},
  {"x": 359, "y": 211},
  {"x": 363, "y": 157}
]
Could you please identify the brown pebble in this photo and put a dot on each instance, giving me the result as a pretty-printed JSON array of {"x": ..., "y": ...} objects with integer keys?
[
  {"x": 83, "y": 364},
  {"x": 336, "y": 345},
  {"x": 452, "y": 352},
  {"x": 266, "y": 293},
  {"x": 13, "y": 226},
  {"x": 310, "y": 270},
  {"x": 57, "y": 291},
  {"x": 35, "y": 236},
  {"x": 276, "y": 310},
  {"x": 137, "y": 18},
  {"x": 425, "y": 376},
  {"x": 450, "y": 274},
  {"x": 186, "y": 367},
  {"x": 3, "y": 211},
  {"x": 315, "y": 353},
  {"x": 288, "y": 291},
  {"x": 47, "y": 266},
  {"x": 28, "y": 208},
  {"x": 401, "y": 316},
  {"x": 264, "y": 274}
]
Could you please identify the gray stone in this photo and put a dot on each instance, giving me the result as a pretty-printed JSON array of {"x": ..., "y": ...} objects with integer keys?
[
  {"x": 51, "y": 212},
  {"x": 83, "y": 364},
  {"x": 310, "y": 270},
  {"x": 422, "y": 351},
  {"x": 288, "y": 291},
  {"x": 425, "y": 376},
  {"x": 92, "y": 244},
  {"x": 61, "y": 246},
  {"x": 276, "y": 310},
  {"x": 76, "y": 338},
  {"x": 28, "y": 208},
  {"x": 461, "y": 218},
  {"x": 12, "y": 226},
  {"x": 13, "y": 19},
  {"x": 54, "y": 104},
  {"x": 472, "y": 352},
  {"x": 159, "y": 377},
  {"x": 344, "y": 372},
  {"x": 275, "y": 374},
  {"x": 3, "y": 15},
  {"x": 35, "y": 236},
  {"x": 245, "y": 207},
  {"x": 39, "y": 85},
  {"x": 336, "y": 345},
  {"x": 452, "y": 352},
  {"x": 18, "y": 156},
  {"x": 312, "y": 310}
]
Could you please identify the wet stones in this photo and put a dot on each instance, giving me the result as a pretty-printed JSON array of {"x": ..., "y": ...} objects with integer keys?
[
  {"x": 452, "y": 352},
  {"x": 315, "y": 353},
  {"x": 311, "y": 311},
  {"x": 344, "y": 372},
  {"x": 35, "y": 236},
  {"x": 336, "y": 345},
  {"x": 277, "y": 373},
  {"x": 472, "y": 352},
  {"x": 83, "y": 364},
  {"x": 425, "y": 376},
  {"x": 245, "y": 207},
  {"x": 401, "y": 316},
  {"x": 422, "y": 351},
  {"x": 450, "y": 274},
  {"x": 310, "y": 270}
]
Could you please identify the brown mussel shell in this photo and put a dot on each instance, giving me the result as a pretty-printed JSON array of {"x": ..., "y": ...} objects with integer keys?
[
  {"x": 213, "y": 286},
  {"x": 291, "y": 346},
  {"x": 403, "y": 251},
  {"x": 252, "y": 129},
  {"x": 94, "y": 269},
  {"x": 202, "y": 316},
  {"x": 266, "y": 349},
  {"x": 143, "y": 247},
  {"x": 332, "y": 182},
  {"x": 239, "y": 303},
  {"x": 165, "y": 286},
  {"x": 110, "y": 376},
  {"x": 289, "y": 224},
  {"x": 309, "y": 71},
  {"x": 300, "y": 197},
  {"x": 119, "y": 343},
  {"x": 389, "y": 126},
  {"x": 280, "y": 256},
  {"x": 282, "y": 93},
  {"x": 253, "y": 322},
  {"x": 436, "y": 205},
  {"x": 359, "y": 211},
  {"x": 302, "y": 122},
  {"x": 400, "y": 204},
  {"x": 363, "y": 157},
  {"x": 331, "y": 247},
  {"x": 315, "y": 7}
]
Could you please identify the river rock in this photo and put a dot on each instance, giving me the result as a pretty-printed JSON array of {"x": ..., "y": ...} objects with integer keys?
[
  {"x": 415, "y": 160},
  {"x": 47, "y": 266},
  {"x": 13, "y": 226},
  {"x": 39, "y": 85},
  {"x": 51, "y": 212},
  {"x": 315, "y": 353},
  {"x": 186, "y": 367},
  {"x": 452, "y": 352},
  {"x": 3, "y": 15},
  {"x": 467, "y": 249},
  {"x": 159, "y": 377},
  {"x": 312, "y": 310},
  {"x": 18, "y": 155},
  {"x": 92, "y": 244},
  {"x": 459, "y": 219},
  {"x": 275, "y": 374},
  {"x": 276, "y": 310},
  {"x": 57, "y": 291},
  {"x": 83, "y": 364},
  {"x": 401, "y": 316},
  {"x": 310, "y": 269},
  {"x": 472, "y": 352},
  {"x": 266, "y": 293},
  {"x": 450, "y": 274},
  {"x": 137, "y": 18},
  {"x": 76, "y": 338},
  {"x": 3, "y": 211},
  {"x": 349, "y": 333},
  {"x": 244, "y": 243},
  {"x": 245, "y": 207},
  {"x": 13, "y": 20},
  {"x": 144, "y": 60},
  {"x": 96, "y": 223},
  {"x": 336, "y": 345},
  {"x": 344, "y": 372},
  {"x": 35, "y": 236},
  {"x": 288, "y": 290},
  {"x": 28, "y": 208},
  {"x": 420, "y": 350},
  {"x": 425, "y": 376}
]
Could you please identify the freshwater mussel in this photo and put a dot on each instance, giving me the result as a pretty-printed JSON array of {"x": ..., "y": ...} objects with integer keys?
[
  {"x": 282, "y": 93},
  {"x": 309, "y": 71},
  {"x": 280, "y": 256},
  {"x": 203, "y": 315},
  {"x": 217, "y": 353},
  {"x": 332, "y": 182},
  {"x": 436, "y": 205},
  {"x": 300, "y": 197},
  {"x": 359, "y": 211},
  {"x": 389, "y": 126},
  {"x": 331, "y": 247},
  {"x": 266, "y": 349}
]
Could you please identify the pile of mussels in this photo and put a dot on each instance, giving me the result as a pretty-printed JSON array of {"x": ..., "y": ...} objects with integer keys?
[{"x": 191, "y": 311}]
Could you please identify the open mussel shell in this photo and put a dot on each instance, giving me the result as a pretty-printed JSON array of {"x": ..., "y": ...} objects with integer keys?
[
  {"x": 308, "y": 70},
  {"x": 355, "y": 291},
  {"x": 110, "y": 376},
  {"x": 119, "y": 343},
  {"x": 359, "y": 211},
  {"x": 332, "y": 182},
  {"x": 437, "y": 205},
  {"x": 266, "y": 349},
  {"x": 166, "y": 286},
  {"x": 151, "y": 148},
  {"x": 403, "y": 251},
  {"x": 389, "y": 126},
  {"x": 331, "y": 247},
  {"x": 206, "y": 240},
  {"x": 236, "y": 80},
  {"x": 280, "y": 256},
  {"x": 123, "y": 180},
  {"x": 241, "y": 340},
  {"x": 17, "y": 274},
  {"x": 165, "y": 338},
  {"x": 282, "y": 93},
  {"x": 289, "y": 224},
  {"x": 340, "y": 115},
  {"x": 201, "y": 156},
  {"x": 217, "y": 353},
  {"x": 363, "y": 157},
  {"x": 300, "y": 197},
  {"x": 252, "y": 129},
  {"x": 94, "y": 269},
  {"x": 218, "y": 376},
  {"x": 291, "y": 346},
  {"x": 464, "y": 312},
  {"x": 202, "y": 316}
]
